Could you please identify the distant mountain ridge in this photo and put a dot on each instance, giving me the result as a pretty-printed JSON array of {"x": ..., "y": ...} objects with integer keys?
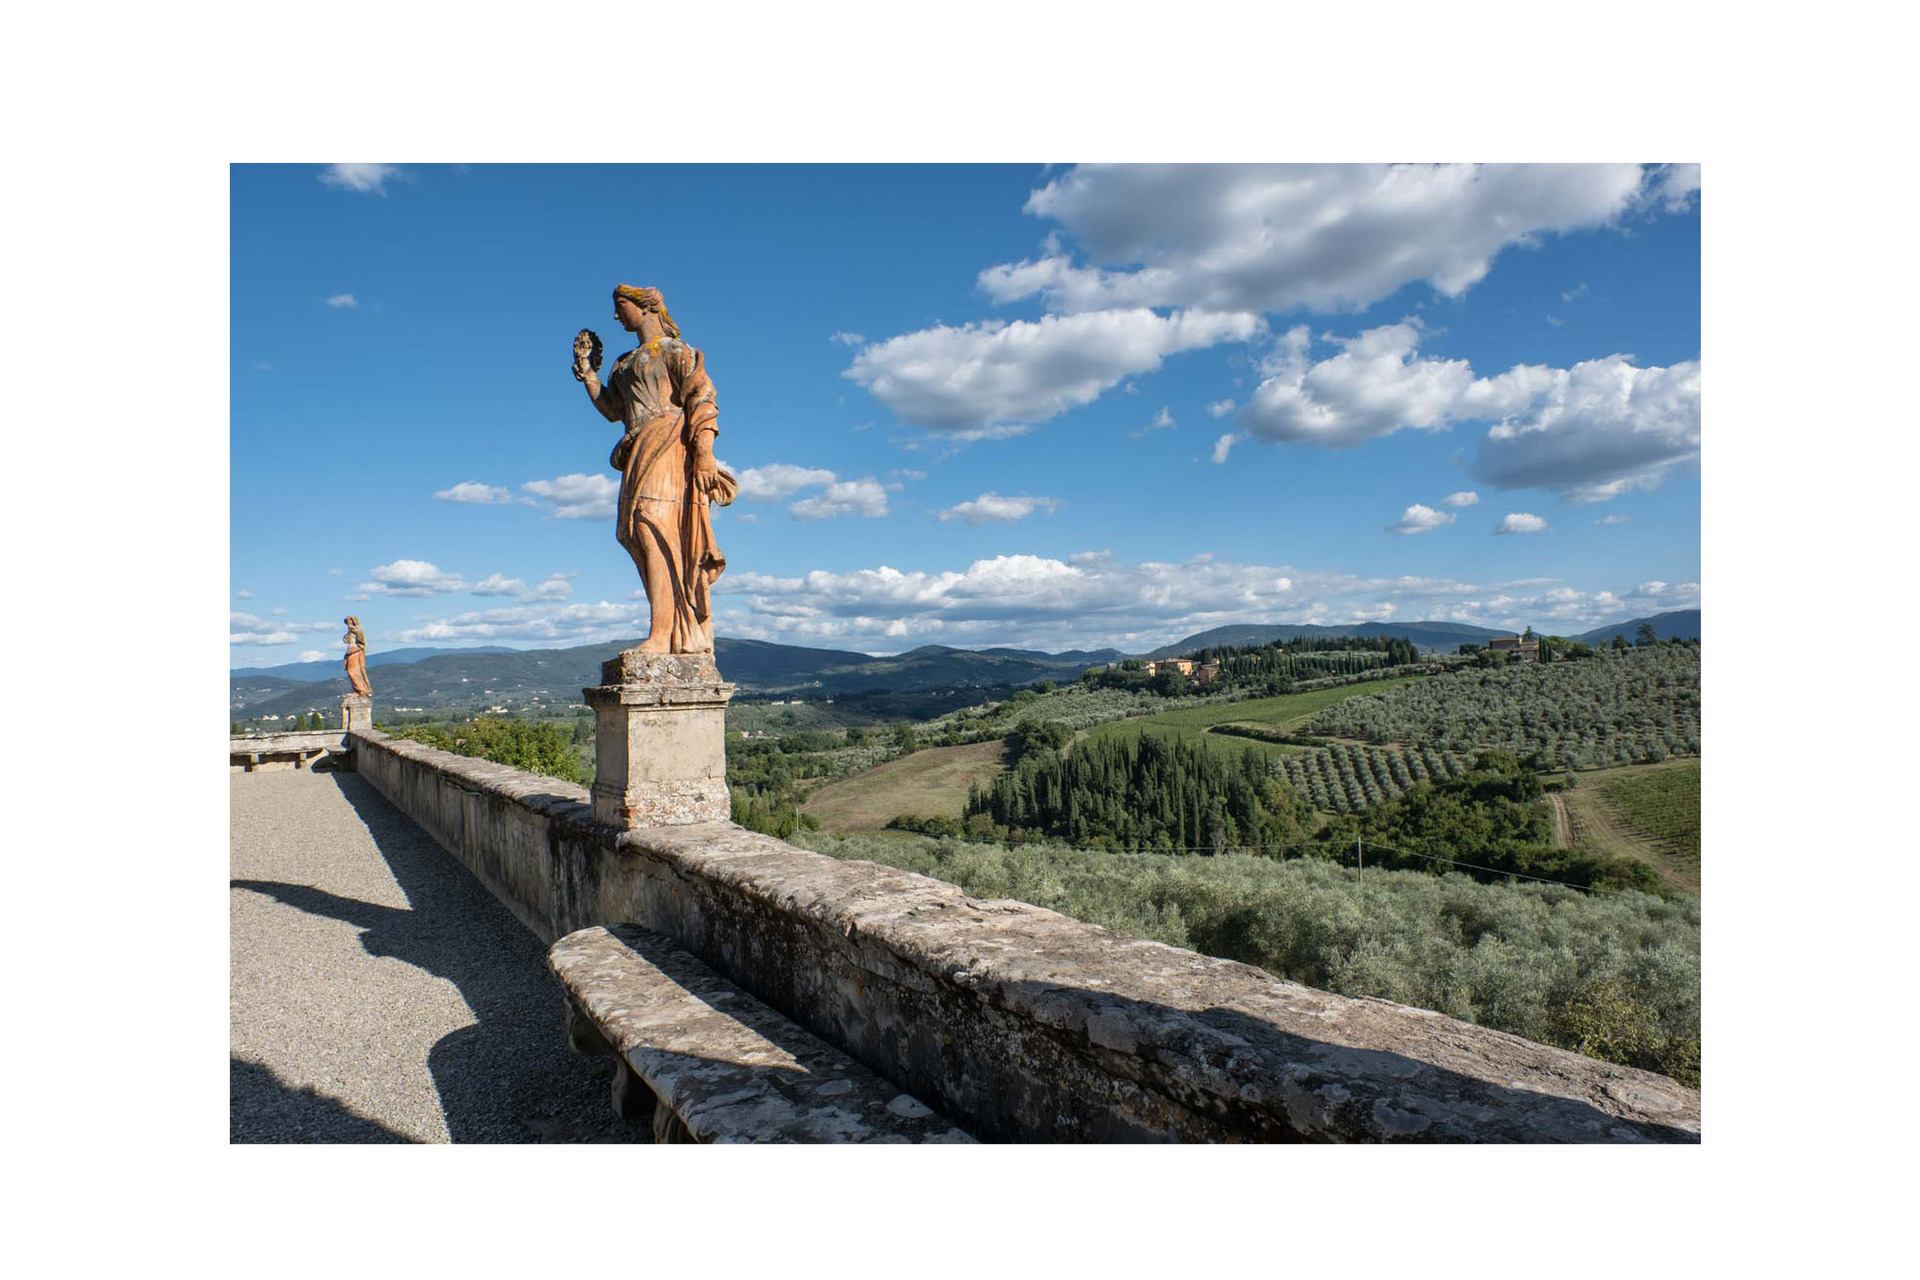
[
  {"x": 1425, "y": 635},
  {"x": 328, "y": 668},
  {"x": 474, "y": 679},
  {"x": 1679, "y": 624},
  {"x": 477, "y": 678}
]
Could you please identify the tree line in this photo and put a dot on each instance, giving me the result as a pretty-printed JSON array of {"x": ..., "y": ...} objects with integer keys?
[
  {"x": 1148, "y": 792},
  {"x": 544, "y": 747},
  {"x": 1173, "y": 795}
]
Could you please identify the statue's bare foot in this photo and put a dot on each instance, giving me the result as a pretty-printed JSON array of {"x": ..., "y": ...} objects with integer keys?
[{"x": 650, "y": 645}]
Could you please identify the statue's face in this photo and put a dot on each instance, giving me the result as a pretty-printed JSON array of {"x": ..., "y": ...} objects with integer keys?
[{"x": 627, "y": 312}]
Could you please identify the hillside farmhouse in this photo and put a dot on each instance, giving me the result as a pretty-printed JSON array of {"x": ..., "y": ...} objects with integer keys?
[{"x": 1521, "y": 649}]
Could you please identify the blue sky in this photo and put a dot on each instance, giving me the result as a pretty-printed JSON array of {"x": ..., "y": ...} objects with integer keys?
[{"x": 971, "y": 405}]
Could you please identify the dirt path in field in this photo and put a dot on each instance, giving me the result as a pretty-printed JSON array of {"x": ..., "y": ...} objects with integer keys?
[
  {"x": 1562, "y": 823},
  {"x": 1598, "y": 827}
]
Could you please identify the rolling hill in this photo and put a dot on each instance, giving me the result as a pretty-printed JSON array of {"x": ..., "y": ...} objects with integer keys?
[
  {"x": 1680, "y": 624},
  {"x": 1683, "y": 624},
  {"x": 1445, "y": 636},
  {"x": 330, "y": 668},
  {"x": 448, "y": 680},
  {"x": 471, "y": 679}
]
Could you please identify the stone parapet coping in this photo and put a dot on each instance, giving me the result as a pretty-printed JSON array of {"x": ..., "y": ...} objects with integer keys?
[
  {"x": 725, "y": 1066},
  {"x": 1020, "y": 1023},
  {"x": 311, "y": 739}
]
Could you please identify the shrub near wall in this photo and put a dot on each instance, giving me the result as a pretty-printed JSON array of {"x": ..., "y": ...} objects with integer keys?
[{"x": 541, "y": 747}]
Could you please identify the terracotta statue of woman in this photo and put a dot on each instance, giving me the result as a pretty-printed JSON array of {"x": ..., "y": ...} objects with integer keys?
[
  {"x": 356, "y": 663},
  {"x": 661, "y": 394}
]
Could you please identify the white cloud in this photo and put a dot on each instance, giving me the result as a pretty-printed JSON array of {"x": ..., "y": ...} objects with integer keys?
[
  {"x": 993, "y": 375},
  {"x": 577, "y": 496},
  {"x": 1576, "y": 293},
  {"x": 991, "y": 508},
  {"x": 495, "y": 584},
  {"x": 361, "y": 177},
  {"x": 1161, "y": 422},
  {"x": 556, "y": 586},
  {"x": 1614, "y": 519},
  {"x": 777, "y": 480},
  {"x": 410, "y": 578},
  {"x": 278, "y": 613},
  {"x": 866, "y": 497},
  {"x": 247, "y": 628},
  {"x": 572, "y": 624},
  {"x": 906, "y": 473},
  {"x": 1661, "y": 596},
  {"x": 1090, "y": 600},
  {"x": 1521, "y": 522},
  {"x": 1220, "y": 408},
  {"x": 1003, "y": 431},
  {"x": 1222, "y": 446},
  {"x": 312, "y": 655},
  {"x": 1375, "y": 386},
  {"x": 1277, "y": 237},
  {"x": 1419, "y": 518},
  {"x": 1589, "y": 432},
  {"x": 1464, "y": 498},
  {"x": 335, "y": 573},
  {"x": 474, "y": 491},
  {"x": 244, "y": 594},
  {"x": 1596, "y": 430},
  {"x": 342, "y": 300},
  {"x": 846, "y": 339},
  {"x": 1674, "y": 187}
]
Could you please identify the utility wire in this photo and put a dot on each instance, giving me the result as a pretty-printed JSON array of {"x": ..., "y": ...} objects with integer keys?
[{"x": 1519, "y": 875}]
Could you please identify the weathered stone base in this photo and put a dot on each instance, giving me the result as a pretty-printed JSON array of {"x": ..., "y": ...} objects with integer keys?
[
  {"x": 356, "y": 713},
  {"x": 659, "y": 741}
]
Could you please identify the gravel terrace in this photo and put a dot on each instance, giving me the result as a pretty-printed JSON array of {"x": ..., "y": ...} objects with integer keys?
[{"x": 380, "y": 993}]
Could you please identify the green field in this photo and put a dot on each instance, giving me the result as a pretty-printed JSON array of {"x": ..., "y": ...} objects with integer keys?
[
  {"x": 926, "y": 784},
  {"x": 1288, "y": 712},
  {"x": 1649, "y": 812}
]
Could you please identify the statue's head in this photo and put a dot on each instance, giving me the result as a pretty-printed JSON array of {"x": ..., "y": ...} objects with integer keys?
[{"x": 629, "y": 303}]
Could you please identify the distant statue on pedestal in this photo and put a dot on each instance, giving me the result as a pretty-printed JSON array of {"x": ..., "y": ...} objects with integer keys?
[
  {"x": 669, "y": 480},
  {"x": 356, "y": 663}
]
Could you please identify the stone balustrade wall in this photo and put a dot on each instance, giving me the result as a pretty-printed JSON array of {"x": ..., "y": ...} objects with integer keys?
[
  {"x": 1018, "y": 1023},
  {"x": 315, "y": 738}
]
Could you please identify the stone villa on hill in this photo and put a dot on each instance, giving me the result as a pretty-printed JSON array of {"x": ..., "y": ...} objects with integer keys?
[
  {"x": 1199, "y": 672},
  {"x": 1522, "y": 650}
]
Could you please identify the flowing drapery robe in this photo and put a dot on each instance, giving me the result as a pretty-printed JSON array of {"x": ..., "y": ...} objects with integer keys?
[
  {"x": 662, "y": 394},
  {"x": 356, "y": 665}
]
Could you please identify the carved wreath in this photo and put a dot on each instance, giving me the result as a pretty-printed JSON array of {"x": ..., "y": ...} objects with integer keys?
[{"x": 593, "y": 358}]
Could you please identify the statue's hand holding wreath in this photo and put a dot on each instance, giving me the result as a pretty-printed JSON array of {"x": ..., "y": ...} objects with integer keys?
[{"x": 586, "y": 354}]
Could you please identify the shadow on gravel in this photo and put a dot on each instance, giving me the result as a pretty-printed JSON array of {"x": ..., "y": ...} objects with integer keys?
[
  {"x": 261, "y": 1109},
  {"x": 510, "y": 1076}
]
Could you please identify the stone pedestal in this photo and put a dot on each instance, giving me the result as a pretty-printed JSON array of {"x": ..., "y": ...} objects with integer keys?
[
  {"x": 356, "y": 714},
  {"x": 659, "y": 740}
]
